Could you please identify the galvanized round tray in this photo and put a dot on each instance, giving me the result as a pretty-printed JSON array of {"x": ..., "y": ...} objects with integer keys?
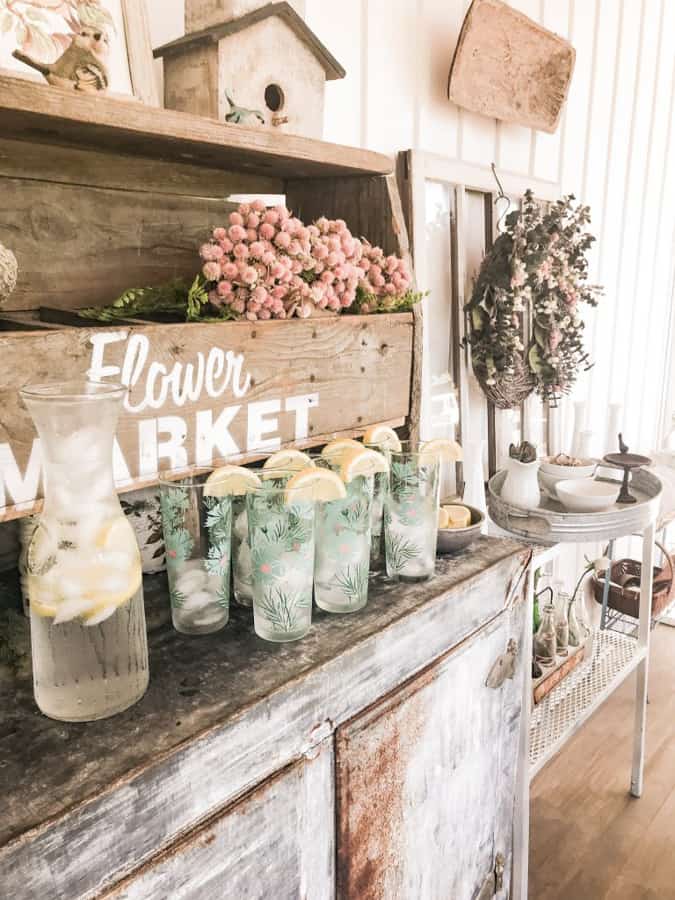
[{"x": 551, "y": 523}]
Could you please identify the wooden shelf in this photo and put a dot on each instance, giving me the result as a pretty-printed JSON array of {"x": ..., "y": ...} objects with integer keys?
[{"x": 41, "y": 113}]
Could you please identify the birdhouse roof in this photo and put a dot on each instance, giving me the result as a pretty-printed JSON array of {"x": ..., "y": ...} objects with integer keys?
[{"x": 284, "y": 11}]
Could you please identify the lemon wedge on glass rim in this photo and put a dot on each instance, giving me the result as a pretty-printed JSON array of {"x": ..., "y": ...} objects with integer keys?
[
  {"x": 315, "y": 484},
  {"x": 383, "y": 436},
  {"x": 290, "y": 460},
  {"x": 443, "y": 449},
  {"x": 229, "y": 481},
  {"x": 362, "y": 461},
  {"x": 335, "y": 450}
]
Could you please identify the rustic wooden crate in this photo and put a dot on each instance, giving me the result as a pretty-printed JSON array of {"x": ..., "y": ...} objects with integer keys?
[
  {"x": 280, "y": 383},
  {"x": 100, "y": 195}
]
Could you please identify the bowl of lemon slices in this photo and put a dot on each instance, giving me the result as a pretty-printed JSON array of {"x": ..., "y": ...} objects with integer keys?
[{"x": 458, "y": 526}]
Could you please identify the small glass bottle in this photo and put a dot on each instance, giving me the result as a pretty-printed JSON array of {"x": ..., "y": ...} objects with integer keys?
[
  {"x": 561, "y": 622},
  {"x": 578, "y": 629},
  {"x": 545, "y": 640}
]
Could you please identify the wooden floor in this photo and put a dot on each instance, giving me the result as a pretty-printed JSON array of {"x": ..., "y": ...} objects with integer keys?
[{"x": 589, "y": 839}]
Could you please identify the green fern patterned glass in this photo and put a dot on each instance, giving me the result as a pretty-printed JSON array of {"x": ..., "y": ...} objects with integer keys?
[
  {"x": 281, "y": 537},
  {"x": 342, "y": 560},
  {"x": 380, "y": 490},
  {"x": 411, "y": 516},
  {"x": 197, "y": 534},
  {"x": 242, "y": 573}
]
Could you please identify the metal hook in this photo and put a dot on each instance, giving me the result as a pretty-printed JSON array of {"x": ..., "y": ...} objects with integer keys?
[{"x": 501, "y": 196}]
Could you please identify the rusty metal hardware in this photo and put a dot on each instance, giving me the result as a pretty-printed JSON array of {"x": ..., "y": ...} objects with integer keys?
[
  {"x": 504, "y": 667},
  {"x": 500, "y": 865},
  {"x": 494, "y": 882}
]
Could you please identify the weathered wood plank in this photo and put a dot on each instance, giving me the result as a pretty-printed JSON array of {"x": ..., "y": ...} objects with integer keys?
[
  {"x": 276, "y": 842},
  {"x": 202, "y": 393},
  {"x": 186, "y": 749},
  {"x": 70, "y": 165},
  {"x": 509, "y": 67},
  {"x": 42, "y": 113},
  {"x": 370, "y": 207},
  {"x": 425, "y": 770},
  {"x": 100, "y": 241}
]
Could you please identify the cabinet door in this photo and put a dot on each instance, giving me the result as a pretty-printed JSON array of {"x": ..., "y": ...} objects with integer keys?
[
  {"x": 276, "y": 842},
  {"x": 426, "y": 778}
]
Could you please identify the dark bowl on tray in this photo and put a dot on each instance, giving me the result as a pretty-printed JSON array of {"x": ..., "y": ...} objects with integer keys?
[{"x": 451, "y": 540}]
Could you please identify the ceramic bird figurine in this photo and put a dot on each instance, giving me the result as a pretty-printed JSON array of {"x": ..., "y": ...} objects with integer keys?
[
  {"x": 239, "y": 115},
  {"x": 82, "y": 67},
  {"x": 622, "y": 446},
  {"x": 9, "y": 270}
]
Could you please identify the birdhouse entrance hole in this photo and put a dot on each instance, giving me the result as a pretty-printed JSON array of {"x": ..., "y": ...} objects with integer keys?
[{"x": 274, "y": 97}]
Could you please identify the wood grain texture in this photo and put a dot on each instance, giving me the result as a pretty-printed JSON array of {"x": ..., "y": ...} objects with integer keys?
[
  {"x": 368, "y": 206},
  {"x": 135, "y": 174},
  {"x": 422, "y": 776},
  {"x": 357, "y": 369},
  {"x": 142, "y": 239},
  {"x": 163, "y": 766},
  {"x": 139, "y": 51},
  {"x": 616, "y": 847},
  {"x": 277, "y": 841},
  {"x": 44, "y": 114},
  {"x": 509, "y": 67}
]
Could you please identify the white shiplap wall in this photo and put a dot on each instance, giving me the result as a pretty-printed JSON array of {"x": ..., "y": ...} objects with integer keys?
[{"x": 615, "y": 149}]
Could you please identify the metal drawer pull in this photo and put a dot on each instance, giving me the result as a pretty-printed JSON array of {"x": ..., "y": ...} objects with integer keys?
[{"x": 505, "y": 667}]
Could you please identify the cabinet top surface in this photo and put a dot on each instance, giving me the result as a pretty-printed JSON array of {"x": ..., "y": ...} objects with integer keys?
[
  {"x": 47, "y": 115},
  {"x": 201, "y": 684}
]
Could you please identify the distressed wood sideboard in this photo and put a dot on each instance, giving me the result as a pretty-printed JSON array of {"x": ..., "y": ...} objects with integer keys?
[{"x": 376, "y": 758}]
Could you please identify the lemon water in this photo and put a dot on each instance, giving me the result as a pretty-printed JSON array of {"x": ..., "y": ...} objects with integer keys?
[{"x": 88, "y": 635}]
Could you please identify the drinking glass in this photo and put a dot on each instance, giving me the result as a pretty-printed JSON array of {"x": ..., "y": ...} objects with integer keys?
[
  {"x": 411, "y": 514},
  {"x": 342, "y": 561},
  {"x": 281, "y": 537},
  {"x": 380, "y": 490},
  {"x": 197, "y": 533},
  {"x": 242, "y": 572}
]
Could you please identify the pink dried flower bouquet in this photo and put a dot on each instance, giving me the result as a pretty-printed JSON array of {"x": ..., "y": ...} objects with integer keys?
[{"x": 267, "y": 264}]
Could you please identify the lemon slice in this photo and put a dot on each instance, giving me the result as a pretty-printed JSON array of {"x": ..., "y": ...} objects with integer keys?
[
  {"x": 457, "y": 517},
  {"x": 291, "y": 460},
  {"x": 442, "y": 449},
  {"x": 117, "y": 534},
  {"x": 335, "y": 450},
  {"x": 443, "y": 518},
  {"x": 230, "y": 481},
  {"x": 315, "y": 484},
  {"x": 362, "y": 462},
  {"x": 383, "y": 436}
]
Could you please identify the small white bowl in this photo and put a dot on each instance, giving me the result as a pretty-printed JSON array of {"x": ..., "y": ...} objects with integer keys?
[
  {"x": 586, "y": 495},
  {"x": 563, "y": 473}
]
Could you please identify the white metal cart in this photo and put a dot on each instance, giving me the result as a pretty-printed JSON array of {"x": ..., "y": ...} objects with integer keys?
[{"x": 548, "y": 726}]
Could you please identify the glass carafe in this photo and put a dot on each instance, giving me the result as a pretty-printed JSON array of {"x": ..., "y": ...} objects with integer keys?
[{"x": 88, "y": 637}]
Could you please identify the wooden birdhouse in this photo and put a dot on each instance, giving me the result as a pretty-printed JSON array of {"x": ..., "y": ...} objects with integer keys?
[{"x": 249, "y": 63}]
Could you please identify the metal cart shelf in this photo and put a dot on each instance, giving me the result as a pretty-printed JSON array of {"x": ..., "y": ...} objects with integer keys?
[{"x": 548, "y": 727}]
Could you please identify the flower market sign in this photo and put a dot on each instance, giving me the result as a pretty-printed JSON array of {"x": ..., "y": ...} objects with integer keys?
[{"x": 200, "y": 393}]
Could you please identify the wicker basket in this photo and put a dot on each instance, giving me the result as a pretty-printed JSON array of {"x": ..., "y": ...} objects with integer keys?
[
  {"x": 624, "y": 586},
  {"x": 509, "y": 391}
]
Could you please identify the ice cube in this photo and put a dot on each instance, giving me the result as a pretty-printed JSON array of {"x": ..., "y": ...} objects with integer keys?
[
  {"x": 69, "y": 609},
  {"x": 198, "y": 600},
  {"x": 210, "y": 618},
  {"x": 191, "y": 581},
  {"x": 101, "y": 616}
]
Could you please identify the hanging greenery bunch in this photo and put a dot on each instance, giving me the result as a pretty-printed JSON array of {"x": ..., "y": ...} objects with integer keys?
[{"x": 536, "y": 273}]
